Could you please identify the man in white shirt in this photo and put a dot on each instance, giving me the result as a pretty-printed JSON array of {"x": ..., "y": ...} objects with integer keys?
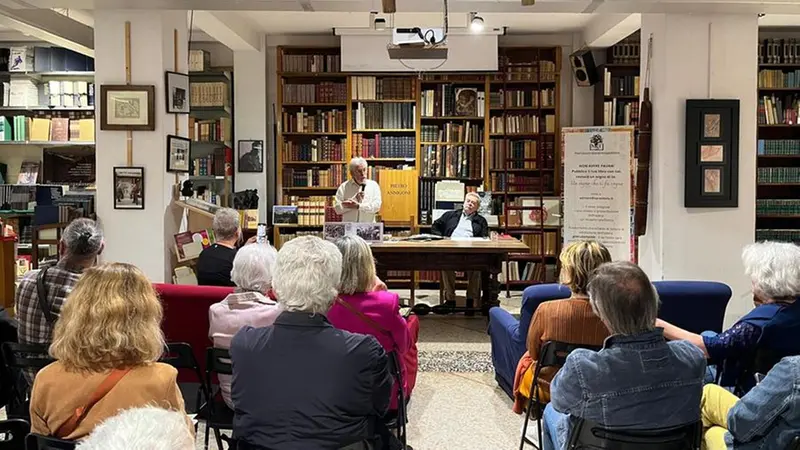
[{"x": 358, "y": 199}]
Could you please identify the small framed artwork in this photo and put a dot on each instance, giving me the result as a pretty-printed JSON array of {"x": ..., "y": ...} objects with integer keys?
[
  {"x": 251, "y": 156},
  {"x": 178, "y": 153},
  {"x": 127, "y": 108},
  {"x": 712, "y": 181},
  {"x": 128, "y": 187},
  {"x": 712, "y": 154},
  {"x": 177, "y": 93}
]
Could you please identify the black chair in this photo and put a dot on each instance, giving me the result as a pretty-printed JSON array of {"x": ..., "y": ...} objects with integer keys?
[
  {"x": 12, "y": 434},
  {"x": 19, "y": 358},
  {"x": 399, "y": 419},
  {"x": 39, "y": 442},
  {"x": 795, "y": 444},
  {"x": 181, "y": 356},
  {"x": 587, "y": 435},
  {"x": 552, "y": 354},
  {"x": 215, "y": 412}
]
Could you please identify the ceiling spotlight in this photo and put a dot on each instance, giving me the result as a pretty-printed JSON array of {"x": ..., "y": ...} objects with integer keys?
[
  {"x": 377, "y": 23},
  {"x": 475, "y": 22}
]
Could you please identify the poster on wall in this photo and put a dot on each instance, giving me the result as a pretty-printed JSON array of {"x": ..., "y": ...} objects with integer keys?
[{"x": 598, "y": 187}]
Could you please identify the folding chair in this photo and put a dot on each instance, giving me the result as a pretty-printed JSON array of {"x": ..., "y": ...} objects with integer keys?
[
  {"x": 180, "y": 356},
  {"x": 552, "y": 354},
  {"x": 18, "y": 358},
  {"x": 399, "y": 420},
  {"x": 12, "y": 434},
  {"x": 587, "y": 435},
  {"x": 215, "y": 412},
  {"x": 39, "y": 442}
]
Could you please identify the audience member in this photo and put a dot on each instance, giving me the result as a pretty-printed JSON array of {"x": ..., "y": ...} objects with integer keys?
[
  {"x": 144, "y": 428},
  {"x": 638, "y": 380},
  {"x": 774, "y": 270},
  {"x": 767, "y": 417},
  {"x": 301, "y": 383},
  {"x": 78, "y": 248},
  {"x": 571, "y": 320},
  {"x": 248, "y": 305},
  {"x": 107, "y": 342},
  {"x": 216, "y": 262},
  {"x": 361, "y": 310}
]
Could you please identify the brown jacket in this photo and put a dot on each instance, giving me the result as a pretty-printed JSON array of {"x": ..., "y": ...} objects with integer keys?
[{"x": 57, "y": 393}]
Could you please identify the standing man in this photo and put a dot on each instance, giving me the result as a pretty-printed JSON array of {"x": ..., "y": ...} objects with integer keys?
[{"x": 358, "y": 199}]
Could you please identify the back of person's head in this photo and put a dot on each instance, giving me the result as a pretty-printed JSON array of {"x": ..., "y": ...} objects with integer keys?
[
  {"x": 226, "y": 224},
  {"x": 145, "y": 428},
  {"x": 111, "y": 319},
  {"x": 82, "y": 239},
  {"x": 623, "y": 297},
  {"x": 774, "y": 269},
  {"x": 578, "y": 260},
  {"x": 358, "y": 265},
  {"x": 307, "y": 274},
  {"x": 253, "y": 266}
]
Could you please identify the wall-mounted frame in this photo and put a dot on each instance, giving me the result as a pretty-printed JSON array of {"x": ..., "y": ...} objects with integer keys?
[
  {"x": 128, "y": 187},
  {"x": 250, "y": 155},
  {"x": 177, "y": 92},
  {"x": 127, "y": 108},
  {"x": 712, "y": 154},
  {"x": 178, "y": 154}
]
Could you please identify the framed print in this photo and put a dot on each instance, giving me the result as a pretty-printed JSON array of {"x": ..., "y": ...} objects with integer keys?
[
  {"x": 711, "y": 125},
  {"x": 127, "y": 108},
  {"x": 128, "y": 187},
  {"x": 251, "y": 156},
  {"x": 712, "y": 154},
  {"x": 712, "y": 181},
  {"x": 178, "y": 153},
  {"x": 177, "y": 93},
  {"x": 546, "y": 212}
]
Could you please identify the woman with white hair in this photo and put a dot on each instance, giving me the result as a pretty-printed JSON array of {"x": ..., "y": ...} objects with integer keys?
[
  {"x": 146, "y": 428},
  {"x": 248, "y": 305},
  {"x": 359, "y": 198}
]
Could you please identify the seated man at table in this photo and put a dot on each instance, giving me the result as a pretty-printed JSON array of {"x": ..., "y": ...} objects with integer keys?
[{"x": 463, "y": 223}]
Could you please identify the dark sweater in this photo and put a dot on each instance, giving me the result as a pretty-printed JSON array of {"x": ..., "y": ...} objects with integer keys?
[{"x": 445, "y": 225}]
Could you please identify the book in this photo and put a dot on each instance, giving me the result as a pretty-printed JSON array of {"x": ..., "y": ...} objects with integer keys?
[
  {"x": 184, "y": 275},
  {"x": 28, "y": 173},
  {"x": 248, "y": 218},
  {"x": 189, "y": 245}
]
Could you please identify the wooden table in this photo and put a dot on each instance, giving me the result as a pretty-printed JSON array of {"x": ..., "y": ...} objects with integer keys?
[{"x": 485, "y": 256}]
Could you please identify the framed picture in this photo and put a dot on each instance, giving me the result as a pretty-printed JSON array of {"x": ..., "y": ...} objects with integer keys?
[
  {"x": 128, "y": 187},
  {"x": 712, "y": 154},
  {"x": 546, "y": 212},
  {"x": 251, "y": 156},
  {"x": 127, "y": 108},
  {"x": 177, "y": 93},
  {"x": 178, "y": 153}
]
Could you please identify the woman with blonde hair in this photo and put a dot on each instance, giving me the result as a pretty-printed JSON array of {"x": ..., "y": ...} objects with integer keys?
[
  {"x": 107, "y": 341},
  {"x": 570, "y": 320}
]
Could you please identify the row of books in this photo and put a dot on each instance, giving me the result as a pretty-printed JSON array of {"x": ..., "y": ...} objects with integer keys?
[
  {"x": 321, "y": 121},
  {"x": 546, "y": 98},
  {"x": 447, "y": 100},
  {"x": 773, "y": 175},
  {"x": 209, "y": 94},
  {"x": 383, "y": 146},
  {"x": 43, "y": 59},
  {"x": 620, "y": 85},
  {"x": 520, "y": 183},
  {"x": 520, "y": 154},
  {"x": 531, "y": 271},
  {"x": 212, "y": 164},
  {"x": 621, "y": 112},
  {"x": 317, "y": 149},
  {"x": 199, "y": 60},
  {"x": 330, "y": 177},
  {"x": 779, "y": 51},
  {"x": 218, "y": 130},
  {"x": 779, "y": 147},
  {"x": 545, "y": 71},
  {"x": 779, "y": 79},
  {"x": 626, "y": 52},
  {"x": 285, "y": 236},
  {"x": 323, "y": 92},
  {"x": 542, "y": 244},
  {"x": 391, "y": 116},
  {"x": 211, "y": 195},
  {"x": 522, "y": 124},
  {"x": 58, "y": 129},
  {"x": 384, "y": 88},
  {"x": 311, "y": 63},
  {"x": 309, "y": 210},
  {"x": 21, "y": 92},
  {"x": 782, "y": 235},
  {"x": 452, "y": 132},
  {"x": 789, "y": 207},
  {"x": 452, "y": 161},
  {"x": 773, "y": 110}
]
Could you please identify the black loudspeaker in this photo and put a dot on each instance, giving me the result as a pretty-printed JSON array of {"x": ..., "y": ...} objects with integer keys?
[{"x": 584, "y": 68}]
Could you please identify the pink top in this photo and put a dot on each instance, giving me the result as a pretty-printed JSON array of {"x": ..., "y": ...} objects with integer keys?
[{"x": 228, "y": 316}]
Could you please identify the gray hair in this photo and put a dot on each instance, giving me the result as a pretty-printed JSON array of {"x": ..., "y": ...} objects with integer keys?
[
  {"x": 307, "y": 273},
  {"x": 141, "y": 428},
  {"x": 252, "y": 267},
  {"x": 475, "y": 195},
  {"x": 623, "y": 297},
  {"x": 358, "y": 265},
  {"x": 356, "y": 163},
  {"x": 774, "y": 268},
  {"x": 82, "y": 238},
  {"x": 226, "y": 224}
]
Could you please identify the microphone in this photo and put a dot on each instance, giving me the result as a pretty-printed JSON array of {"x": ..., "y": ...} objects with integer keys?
[{"x": 363, "y": 186}]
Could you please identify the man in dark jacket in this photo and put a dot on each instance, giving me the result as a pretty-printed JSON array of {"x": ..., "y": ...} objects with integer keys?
[{"x": 464, "y": 223}]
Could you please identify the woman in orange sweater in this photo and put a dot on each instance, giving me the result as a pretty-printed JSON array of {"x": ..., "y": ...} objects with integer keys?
[
  {"x": 571, "y": 320},
  {"x": 107, "y": 341}
]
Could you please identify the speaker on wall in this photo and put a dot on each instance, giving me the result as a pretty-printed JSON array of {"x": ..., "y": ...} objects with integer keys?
[{"x": 583, "y": 67}]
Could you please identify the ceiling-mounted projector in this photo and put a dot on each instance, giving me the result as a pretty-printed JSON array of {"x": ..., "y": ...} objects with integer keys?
[{"x": 417, "y": 36}]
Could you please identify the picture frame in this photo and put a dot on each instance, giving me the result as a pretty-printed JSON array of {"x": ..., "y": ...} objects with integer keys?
[
  {"x": 712, "y": 154},
  {"x": 129, "y": 188},
  {"x": 250, "y": 156},
  {"x": 127, "y": 107},
  {"x": 177, "y": 92},
  {"x": 179, "y": 151}
]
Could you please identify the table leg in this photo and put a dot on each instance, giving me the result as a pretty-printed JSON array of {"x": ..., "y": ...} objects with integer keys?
[{"x": 490, "y": 293}]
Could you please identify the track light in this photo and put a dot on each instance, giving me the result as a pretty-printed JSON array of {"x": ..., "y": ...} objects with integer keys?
[{"x": 475, "y": 22}]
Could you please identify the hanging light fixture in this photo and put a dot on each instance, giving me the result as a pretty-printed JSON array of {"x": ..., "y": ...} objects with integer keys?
[{"x": 475, "y": 22}]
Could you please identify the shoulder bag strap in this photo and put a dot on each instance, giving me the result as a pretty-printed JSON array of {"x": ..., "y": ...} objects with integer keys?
[
  {"x": 364, "y": 318},
  {"x": 80, "y": 413},
  {"x": 41, "y": 294}
]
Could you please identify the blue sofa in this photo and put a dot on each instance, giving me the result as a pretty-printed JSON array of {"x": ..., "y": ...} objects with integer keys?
[{"x": 696, "y": 306}]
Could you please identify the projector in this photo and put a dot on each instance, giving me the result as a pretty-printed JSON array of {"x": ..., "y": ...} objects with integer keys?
[{"x": 417, "y": 36}]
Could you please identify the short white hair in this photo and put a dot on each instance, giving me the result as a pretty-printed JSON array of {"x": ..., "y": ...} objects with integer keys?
[
  {"x": 307, "y": 274},
  {"x": 252, "y": 267},
  {"x": 225, "y": 224},
  {"x": 146, "y": 428},
  {"x": 774, "y": 268},
  {"x": 475, "y": 195},
  {"x": 356, "y": 163}
]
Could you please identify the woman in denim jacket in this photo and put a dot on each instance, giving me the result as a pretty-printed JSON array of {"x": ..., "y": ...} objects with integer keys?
[{"x": 638, "y": 380}]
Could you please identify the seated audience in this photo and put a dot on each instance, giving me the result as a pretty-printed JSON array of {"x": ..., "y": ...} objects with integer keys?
[
  {"x": 774, "y": 270},
  {"x": 571, "y": 320},
  {"x": 638, "y": 380},
  {"x": 359, "y": 309},
  {"x": 216, "y": 262},
  {"x": 145, "y": 428},
  {"x": 107, "y": 342},
  {"x": 248, "y": 305},
  {"x": 301, "y": 383}
]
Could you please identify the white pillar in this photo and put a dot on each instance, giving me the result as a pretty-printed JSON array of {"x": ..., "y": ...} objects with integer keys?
[
  {"x": 699, "y": 57},
  {"x": 140, "y": 237}
]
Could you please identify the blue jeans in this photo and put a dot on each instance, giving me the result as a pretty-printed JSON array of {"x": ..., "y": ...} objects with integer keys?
[
  {"x": 551, "y": 440},
  {"x": 711, "y": 370}
]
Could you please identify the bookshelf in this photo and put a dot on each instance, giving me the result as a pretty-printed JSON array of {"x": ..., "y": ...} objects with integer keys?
[
  {"x": 778, "y": 141},
  {"x": 616, "y": 95}
]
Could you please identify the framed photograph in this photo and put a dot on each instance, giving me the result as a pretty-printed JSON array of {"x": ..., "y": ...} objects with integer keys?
[
  {"x": 332, "y": 231},
  {"x": 284, "y": 214},
  {"x": 370, "y": 232},
  {"x": 128, "y": 187},
  {"x": 127, "y": 108},
  {"x": 251, "y": 156},
  {"x": 547, "y": 212},
  {"x": 712, "y": 154},
  {"x": 712, "y": 181},
  {"x": 177, "y": 93},
  {"x": 178, "y": 154},
  {"x": 467, "y": 102}
]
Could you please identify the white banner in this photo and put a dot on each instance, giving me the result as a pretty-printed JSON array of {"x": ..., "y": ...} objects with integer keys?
[{"x": 598, "y": 187}]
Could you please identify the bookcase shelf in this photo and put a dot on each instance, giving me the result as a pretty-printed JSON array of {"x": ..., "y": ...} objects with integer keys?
[
  {"x": 453, "y": 143},
  {"x": 385, "y": 130},
  {"x": 387, "y": 101},
  {"x": 314, "y": 105},
  {"x": 316, "y": 133},
  {"x": 311, "y": 163}
]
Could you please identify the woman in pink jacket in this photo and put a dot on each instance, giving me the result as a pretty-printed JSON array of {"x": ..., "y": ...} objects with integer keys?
[{"x": 363, "y": 309}]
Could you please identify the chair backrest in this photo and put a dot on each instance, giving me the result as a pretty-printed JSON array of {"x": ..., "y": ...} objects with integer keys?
[
  {"x": 589, "y": 435},
  {"x": 26, "y": 356},
  {"x": 696, "y": 306},
  {"x": 39, "y": 442},
  {"x": 532, "y": 297},
  {"x": 554, "y": 353},
  {"x": 14, "y": 432},
  {"x": 218, "y": 361},
  {"x": 181, "y": 356}
]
